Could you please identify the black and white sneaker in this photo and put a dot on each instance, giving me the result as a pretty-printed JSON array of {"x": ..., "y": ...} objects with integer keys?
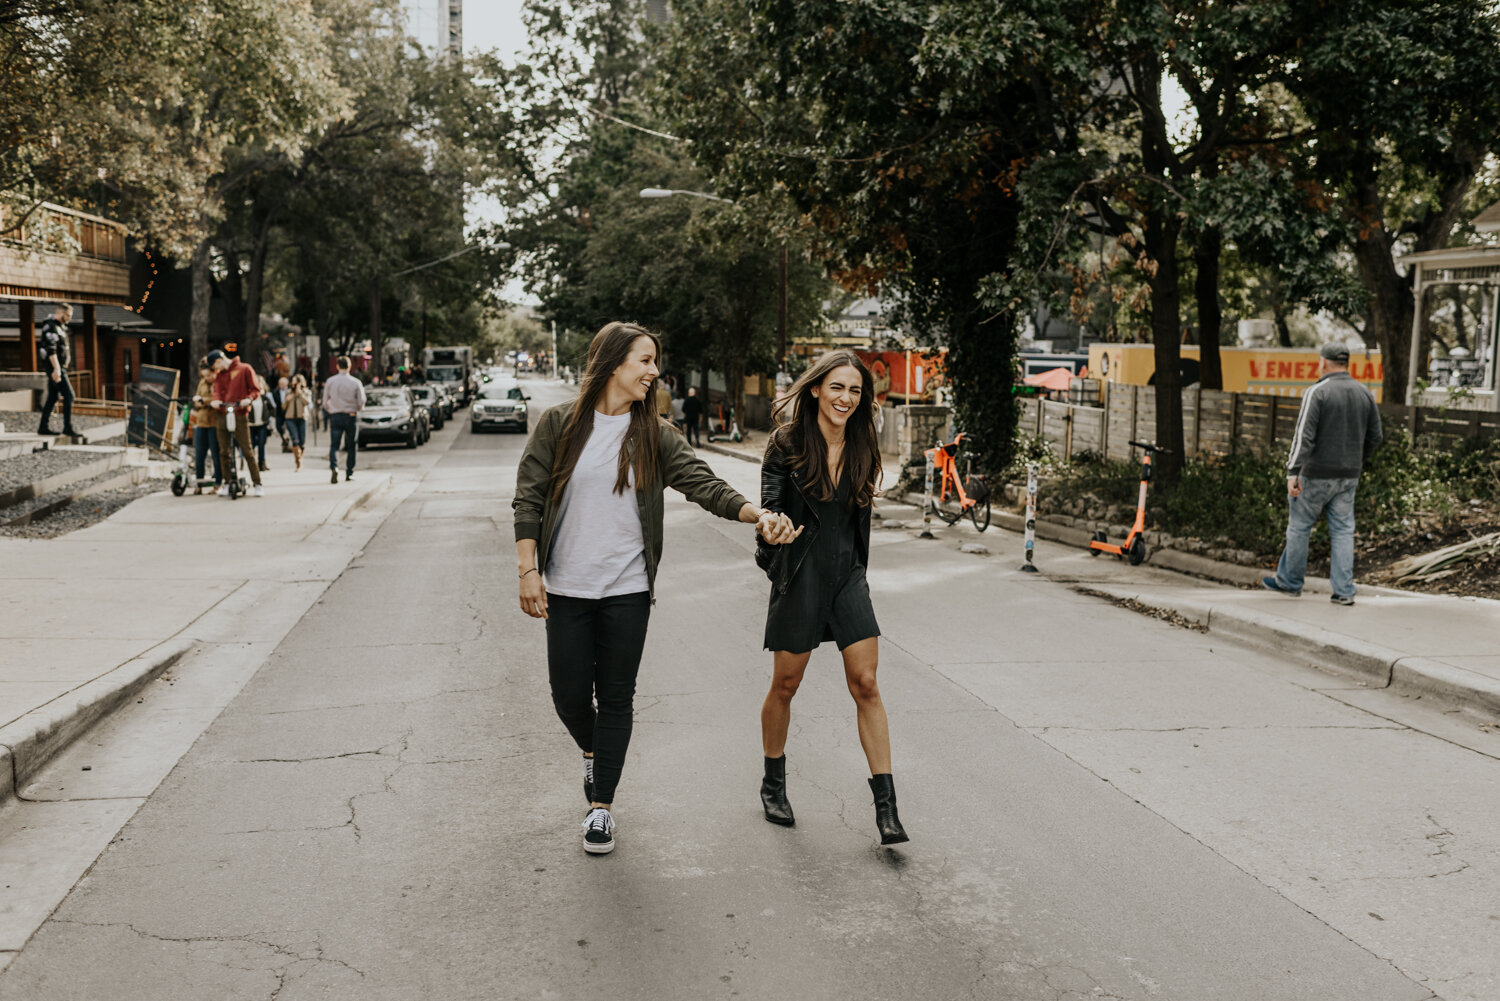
[
  {"x": 588, "y": 779},
  {"x": 599, "y": 832}
]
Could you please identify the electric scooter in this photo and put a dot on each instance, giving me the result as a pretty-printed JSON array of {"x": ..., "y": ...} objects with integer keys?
[
  {"x": 1134, "y": 546},
  {"x": 733, "y": 434}
]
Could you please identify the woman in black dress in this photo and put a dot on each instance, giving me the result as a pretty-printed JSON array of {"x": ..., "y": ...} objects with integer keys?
[{"x": 821, "y": 468}]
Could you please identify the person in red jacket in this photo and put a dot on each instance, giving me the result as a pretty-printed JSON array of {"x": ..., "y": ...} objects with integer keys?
[{"x": 235, "y": 388}]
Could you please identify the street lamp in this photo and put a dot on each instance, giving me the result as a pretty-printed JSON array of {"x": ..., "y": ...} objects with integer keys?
[{"x": 782, "y": 380}]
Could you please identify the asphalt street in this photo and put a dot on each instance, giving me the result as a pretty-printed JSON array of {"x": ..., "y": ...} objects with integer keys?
[{"x": 1102, "y": 806}]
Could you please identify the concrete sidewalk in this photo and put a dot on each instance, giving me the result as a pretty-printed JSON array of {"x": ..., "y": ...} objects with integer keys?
[
  {"x": 1437, "y": 647},
  {"x": 90, "y": 618}
]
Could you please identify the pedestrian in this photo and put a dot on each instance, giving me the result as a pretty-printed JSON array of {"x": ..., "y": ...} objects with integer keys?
[
  {"x": 279, "y": 397},
  {"x": 55, "y": 354},
  {"x": 664, "y": 399},
  {"x": 235, "y": 389},
  {"x": 692, "y": 413},
  {"x": 205, "y": 432},
  {"x": 821, "y": 468},
  {"x": 343, "y": 399},
  {"x": 295, "y": 408},
  {"x": 1338, "y": 429},
  {"x": 260, "y": 421},
  {"x": 588, "y": 523},
  {"x": 677, "y": 412}
]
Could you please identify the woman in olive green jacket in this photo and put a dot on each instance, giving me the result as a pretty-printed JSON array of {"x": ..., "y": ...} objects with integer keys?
[{"x": 588, "y": 520}]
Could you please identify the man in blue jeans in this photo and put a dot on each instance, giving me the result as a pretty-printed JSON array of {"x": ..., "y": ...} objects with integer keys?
[
  {"x": 1338, "y": 428},
  {"x": 343, "y": 399}
]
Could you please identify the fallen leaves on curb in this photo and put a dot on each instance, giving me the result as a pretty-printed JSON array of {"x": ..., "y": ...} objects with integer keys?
[{"x": 1150, "y": 611}]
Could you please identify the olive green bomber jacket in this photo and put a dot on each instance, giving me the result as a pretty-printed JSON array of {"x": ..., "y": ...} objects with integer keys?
[{"x": 535, "y": 514}]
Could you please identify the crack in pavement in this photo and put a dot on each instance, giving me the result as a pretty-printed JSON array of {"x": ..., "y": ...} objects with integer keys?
[
  {"x": 1184, "y": 729},
  {"x": 284, "y": 971}
]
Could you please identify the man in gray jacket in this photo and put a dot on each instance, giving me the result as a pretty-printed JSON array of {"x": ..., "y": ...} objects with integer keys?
[{"x": 1337, "y": 430}]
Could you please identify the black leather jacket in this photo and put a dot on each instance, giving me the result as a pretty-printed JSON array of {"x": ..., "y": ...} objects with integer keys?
[{"x": 781, "y": 491}]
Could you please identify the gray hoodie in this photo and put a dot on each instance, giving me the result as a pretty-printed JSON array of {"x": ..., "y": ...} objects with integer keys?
[{"x": 1337, "y": 429}]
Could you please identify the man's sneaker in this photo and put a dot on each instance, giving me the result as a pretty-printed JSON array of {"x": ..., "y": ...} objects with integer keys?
[
  {"x": 257, "y": 491},
  {"x": 333, "y": 477},
  {"x": 1270, "y": 584},
  {"x": 223, "y": 491},
  {"x": 599, "y": 832},
  {"x": 348, "y": 477},
  {"x": 588, "y": 779},
  {"x": 1342, "y": 599}
]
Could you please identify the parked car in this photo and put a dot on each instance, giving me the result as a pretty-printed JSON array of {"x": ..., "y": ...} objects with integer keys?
[
  {"x": 392, "y": 414},
  {"x": 500, "y": 403},
  {"x": 432, "y": 398}
]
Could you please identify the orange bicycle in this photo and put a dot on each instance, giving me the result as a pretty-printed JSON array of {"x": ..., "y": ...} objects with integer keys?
[{"x": 968, "y": 490}]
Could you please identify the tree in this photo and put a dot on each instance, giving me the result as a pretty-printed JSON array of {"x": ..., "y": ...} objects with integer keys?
[
  {"x": 1405, "y": 98},
  {"x": 701, "y": 273},
  {"x": 897, "y": 133}
]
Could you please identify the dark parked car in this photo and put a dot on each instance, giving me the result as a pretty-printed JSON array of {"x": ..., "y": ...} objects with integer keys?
[
  {"x": 500, "y": 403},
  {"x": 432, "y": 398},
  {"x": 392, "y": 414}
]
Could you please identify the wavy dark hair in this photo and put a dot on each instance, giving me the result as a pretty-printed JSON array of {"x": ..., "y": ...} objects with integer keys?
[
  {"x": 800, "y": 439},
  {"x": 607, "y": 352}
]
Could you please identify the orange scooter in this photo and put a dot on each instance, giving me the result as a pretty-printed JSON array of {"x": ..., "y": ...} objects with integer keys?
[{"x": 1134, "y": 546}]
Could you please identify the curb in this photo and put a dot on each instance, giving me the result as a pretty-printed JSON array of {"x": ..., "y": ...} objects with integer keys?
[
  {"x": 1370, "y": 664},
  {"x": 722, "y": 450},
  {"x": 27, "y": 744},
  {"x": 363, "y": 494}
]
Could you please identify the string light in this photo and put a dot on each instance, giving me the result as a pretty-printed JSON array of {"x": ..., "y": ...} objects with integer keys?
[{"x": 149, "y": 284}]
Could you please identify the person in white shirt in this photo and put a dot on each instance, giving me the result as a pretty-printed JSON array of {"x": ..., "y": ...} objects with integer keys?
[{"x": 588, "y": 523}]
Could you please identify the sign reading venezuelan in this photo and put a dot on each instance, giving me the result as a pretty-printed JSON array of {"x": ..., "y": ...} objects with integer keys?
[{"x": 1267, "y": 371}]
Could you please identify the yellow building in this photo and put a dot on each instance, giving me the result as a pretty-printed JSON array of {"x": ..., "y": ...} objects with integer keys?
[{"x": 1267, "y": 371}]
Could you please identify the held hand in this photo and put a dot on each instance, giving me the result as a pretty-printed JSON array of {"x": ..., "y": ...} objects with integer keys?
[
  {"x": 1294, "y": 486},
  {"x": 217, "y": 404},
  {"x": 534, "y": 596},
  {"x": 56, "y": 377}
]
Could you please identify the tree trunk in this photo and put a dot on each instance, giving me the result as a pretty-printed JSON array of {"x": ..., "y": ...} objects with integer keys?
[
  {"x": 255, "y": 279},
  {"x": 198, "y": 318},
  {"x": 1162, "y": 229},
  {"x": 1210, "y": 316},
  {"x": 1390, "y": 307},
  {"x": 377, "y": 345}
]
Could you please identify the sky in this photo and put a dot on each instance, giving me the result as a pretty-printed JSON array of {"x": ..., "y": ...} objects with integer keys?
[{"x": 495, "y": 24}]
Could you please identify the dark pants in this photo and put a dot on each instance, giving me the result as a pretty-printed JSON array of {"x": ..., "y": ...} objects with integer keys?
[
  {"x": 241, "y": 437},
  {"x": 692, "y": 431},
  {"x": 258, "y": 435},
  {"x": 343, "y": 426},
  {"x": 61, "y": 388},
  {"x": 593, "y": 653},
  {"x": 205, "y": 441}
]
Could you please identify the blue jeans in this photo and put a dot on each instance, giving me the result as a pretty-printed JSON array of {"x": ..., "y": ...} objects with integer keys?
[
  {"x": 206, "y": 441},
  {"x": 296, "y": 430},
  {"x": 1335, "y": 499},
  {"x": 343, "y": 426}
]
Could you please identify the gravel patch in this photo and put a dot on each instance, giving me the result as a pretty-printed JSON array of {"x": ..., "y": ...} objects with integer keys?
[
  {"x": 25, "y": 421},
  {"x": 1151, "y": 611},
  {"x": 20, "y": 470},
  {"x": 81, "y": 513}
]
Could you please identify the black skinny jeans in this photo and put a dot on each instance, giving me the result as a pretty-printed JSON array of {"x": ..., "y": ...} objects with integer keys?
[{"x": 593, "y": 654}]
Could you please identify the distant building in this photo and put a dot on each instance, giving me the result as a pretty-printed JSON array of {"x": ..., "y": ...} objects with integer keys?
[{"x": 437, "y": 25}]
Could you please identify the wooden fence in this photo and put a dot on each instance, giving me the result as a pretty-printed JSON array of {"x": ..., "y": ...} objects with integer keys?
[{"x": 1218, "y": 423}]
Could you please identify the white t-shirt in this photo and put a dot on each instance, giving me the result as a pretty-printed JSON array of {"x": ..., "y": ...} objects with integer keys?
[{"x": 599, "y": 550}]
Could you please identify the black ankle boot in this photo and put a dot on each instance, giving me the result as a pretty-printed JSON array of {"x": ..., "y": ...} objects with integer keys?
[
  {"x": 773, "y": 793},
  {"x": 884, "y": 788}
]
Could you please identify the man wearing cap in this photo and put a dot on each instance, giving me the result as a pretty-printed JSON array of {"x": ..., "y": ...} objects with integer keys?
[
  {"x": 235, "y": 388},
  {"x": 1338, "y": 428}
]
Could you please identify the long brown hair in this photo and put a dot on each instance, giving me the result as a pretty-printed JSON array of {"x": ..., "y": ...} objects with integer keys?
[
  {"x": 801, "y": 439},
  {"x": 607, "y": 352}
]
